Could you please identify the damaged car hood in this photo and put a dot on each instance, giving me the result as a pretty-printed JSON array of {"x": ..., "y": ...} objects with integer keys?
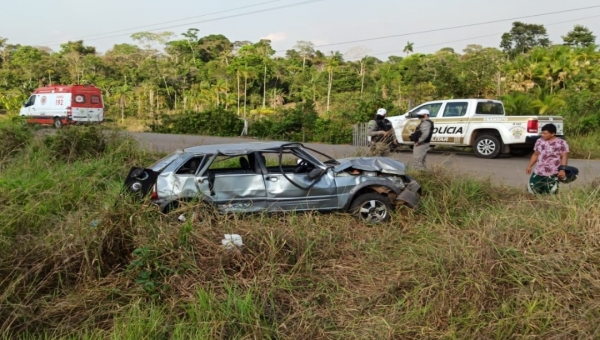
[{"x": 380, "y": 164}]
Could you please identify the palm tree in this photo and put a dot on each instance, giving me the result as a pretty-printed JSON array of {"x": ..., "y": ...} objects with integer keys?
[
  {"x": 547, "y": 104},
  {"x": 518, "y": 103},
  {"x": 123, "y": 93}
]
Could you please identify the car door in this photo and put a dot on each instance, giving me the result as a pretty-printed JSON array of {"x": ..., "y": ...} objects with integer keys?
[
  {"x": 28, "y": 108},
  {"x": 451, "y": 125},
  {"x": 305, "y": 185},
  {"x": 233, "y": 185}
]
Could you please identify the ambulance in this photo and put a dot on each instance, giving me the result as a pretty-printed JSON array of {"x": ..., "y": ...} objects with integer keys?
[{"x": 60, "y": 105}]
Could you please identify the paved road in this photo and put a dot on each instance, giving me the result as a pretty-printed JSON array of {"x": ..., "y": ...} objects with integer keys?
[{"x": 504, "y": 171}]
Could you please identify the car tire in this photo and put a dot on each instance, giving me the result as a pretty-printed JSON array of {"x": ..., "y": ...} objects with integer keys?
[
  {"x": 487, "y": 146},
  {"x": 520, "y": 152},
  {"x": 57, "y": 123},
  {"x": 372, "y": 208}
]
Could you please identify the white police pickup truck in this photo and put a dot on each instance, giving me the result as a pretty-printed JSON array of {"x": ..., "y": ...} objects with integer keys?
[{"x": 477, "y": 123}]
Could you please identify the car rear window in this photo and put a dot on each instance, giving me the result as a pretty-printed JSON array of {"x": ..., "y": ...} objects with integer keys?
[
  {"x": 489, "y": 108},
  {"x": 163, "y": 163},
  {"x": 95, "y": 99}
]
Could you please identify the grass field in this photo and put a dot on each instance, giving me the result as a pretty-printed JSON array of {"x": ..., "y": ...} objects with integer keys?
[{"x": 474, "y": 262}]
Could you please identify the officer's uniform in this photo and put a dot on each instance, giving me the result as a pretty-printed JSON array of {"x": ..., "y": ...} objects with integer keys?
[
  {"x": 377, "y": 128},
  {"x": 422, "y": 136}
]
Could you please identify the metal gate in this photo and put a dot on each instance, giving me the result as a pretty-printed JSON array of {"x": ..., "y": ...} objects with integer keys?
[{"x": 359, "y": 135}]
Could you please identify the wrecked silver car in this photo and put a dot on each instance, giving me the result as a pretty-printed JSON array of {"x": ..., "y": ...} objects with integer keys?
[{"x": 276, "y": 176}]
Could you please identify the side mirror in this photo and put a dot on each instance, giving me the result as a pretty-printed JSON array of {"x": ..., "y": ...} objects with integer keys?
[{"x": 315, "y": 173}]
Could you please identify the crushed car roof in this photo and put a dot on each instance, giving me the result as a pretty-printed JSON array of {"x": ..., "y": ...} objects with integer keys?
[
  {"x": 238, "y": 148},
  {"x": 382, "y": 164}
]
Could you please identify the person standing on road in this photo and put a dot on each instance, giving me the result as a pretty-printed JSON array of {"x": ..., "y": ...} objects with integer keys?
[
  {"x": 381, "y": 132},
  {"x": 422, "y": 138},
  {"x": 550, "y": 153}
]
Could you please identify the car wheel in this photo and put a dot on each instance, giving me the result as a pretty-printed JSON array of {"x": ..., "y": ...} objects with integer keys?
[
  {"x": 487, "y": 146},
  {"x": 372, "y": 208},
  {"x": 58, "y": 123},
  {"x": 520, "y": 152}
]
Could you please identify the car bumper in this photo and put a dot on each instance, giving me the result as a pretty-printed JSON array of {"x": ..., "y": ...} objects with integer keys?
[
  {"x": 533, "y": 139},
  {"x": 410, "y": 196}
]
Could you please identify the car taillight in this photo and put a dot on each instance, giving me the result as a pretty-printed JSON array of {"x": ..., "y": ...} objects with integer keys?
[
  {"x": 154, "y": 192},
  {"x": 532, "y": 126},
  {"x": 69, "y": 112}
]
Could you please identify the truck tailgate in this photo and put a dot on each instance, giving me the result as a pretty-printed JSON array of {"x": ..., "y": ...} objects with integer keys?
[{"x": 556, "y": 120}]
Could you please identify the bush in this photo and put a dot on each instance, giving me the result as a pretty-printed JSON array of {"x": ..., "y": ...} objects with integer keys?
[
  {"x": 14, "y": 136},
  {"x": 217, "y": 122},
  {"x": 582, "y": 113},
  {"x": 78, "y": 142}
]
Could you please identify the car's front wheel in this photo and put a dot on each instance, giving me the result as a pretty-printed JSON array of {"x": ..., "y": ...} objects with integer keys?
[{"x": 372, "y": 208}]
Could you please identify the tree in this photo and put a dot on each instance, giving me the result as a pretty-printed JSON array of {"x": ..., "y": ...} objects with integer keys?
[
  {"x": 579, "y": 36},
  {"x": 408, "y": 49},
  {"x": 523, "y": 37},
  {"x": 76, "y": 47},
  {"x": 360, "y": 53},
  {"x": 148, "y": 39},
  {"x": 211, "y": 47},
  {"x": 192, "y": 40},
  {"x": 2, "y": 48},
  {"x": 306, "y": 50}
]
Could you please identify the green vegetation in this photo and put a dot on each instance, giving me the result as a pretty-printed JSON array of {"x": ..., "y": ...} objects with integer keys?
[
  {"x": 204, "y": 85},
  {"x": 77, "y": 261}
]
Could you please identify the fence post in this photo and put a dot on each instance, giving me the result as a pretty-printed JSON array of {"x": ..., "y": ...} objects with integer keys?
[{"x": 360, "y": 136}]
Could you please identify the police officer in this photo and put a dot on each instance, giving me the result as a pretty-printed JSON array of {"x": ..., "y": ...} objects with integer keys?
[
  {"x": 381, "y": 132},
  {"x": 422, "y": 138}
]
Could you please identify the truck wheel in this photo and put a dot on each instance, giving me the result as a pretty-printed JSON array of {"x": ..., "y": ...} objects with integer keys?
[
  {"x": 58, "y": 123},
  {"x": 520, "y": 152},
  {"x": 487, "y": 146},
  {"x": 372, "y": 208}
]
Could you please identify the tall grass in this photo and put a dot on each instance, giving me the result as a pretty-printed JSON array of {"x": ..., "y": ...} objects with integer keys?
[
  {"x": 77, "y": 261},
  {"x": 584, "y": 146}
]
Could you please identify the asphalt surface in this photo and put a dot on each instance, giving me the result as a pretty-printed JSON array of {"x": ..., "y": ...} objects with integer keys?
[{"x": 506, "y": 170}]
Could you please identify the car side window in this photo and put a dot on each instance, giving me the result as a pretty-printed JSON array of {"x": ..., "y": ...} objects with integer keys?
[
  {"x": 232, "y": 164},
  {"x": 457, "y": 109},
  {"x": 191, "y": 166}
]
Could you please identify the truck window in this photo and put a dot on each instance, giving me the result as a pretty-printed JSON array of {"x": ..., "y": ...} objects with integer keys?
[
  {"x": 433, "y": 108},
  {"x": 457, "y": 109},
  {"x": 95, "y": 99},
  {"x": 490, "y": 108},
  {"x": 79, "y": 98},
  {"x": 30, "y": 101}
]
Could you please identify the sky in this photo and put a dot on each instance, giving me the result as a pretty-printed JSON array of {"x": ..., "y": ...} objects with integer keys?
[{"x": 332, "y": 25}]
